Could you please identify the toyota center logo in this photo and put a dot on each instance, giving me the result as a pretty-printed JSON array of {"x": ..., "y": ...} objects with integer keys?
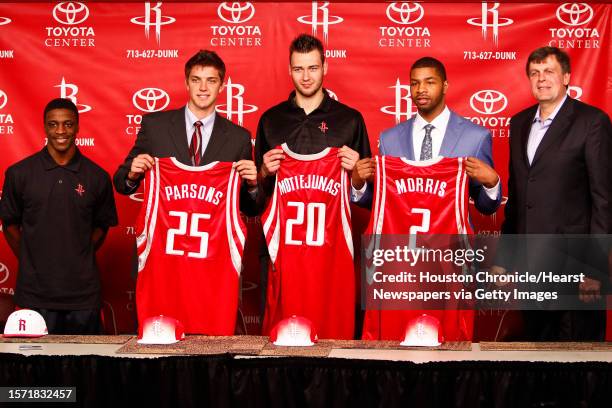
[
  {"x": 405, "y": 13},
  {"x": 151, "y": 99},
  {"x": 70, "y": 91},
  {"x": 4, "y": 20},
  {"x": 235, "y": 12},
  {"x": 3, "y": 99},
  {"x": 235, "y": 102},
  {"x": 490, "y": 19},
  {"x": 137, "y": 197},
  {"x": 488, "y": 102},
  {"x": 322, "y": 19},
  {"x": 403, "y": 107},
  {"x": 153, "y": 18},
  {"x": 4, "y": 273},
  {"x": 70, "y": 12},
  {"x": 574, "y": 14}
]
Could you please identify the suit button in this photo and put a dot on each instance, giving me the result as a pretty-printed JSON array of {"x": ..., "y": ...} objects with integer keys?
[
  {"x": 529, "y": 206},
  {"x": 531, "y": 179}
]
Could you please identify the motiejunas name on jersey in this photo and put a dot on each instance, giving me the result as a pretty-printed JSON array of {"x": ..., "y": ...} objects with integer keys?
[
  {"x": 312, "y": 181},
  {"x": 421, "y": 185},
  {"x": 191, "y": 191}
]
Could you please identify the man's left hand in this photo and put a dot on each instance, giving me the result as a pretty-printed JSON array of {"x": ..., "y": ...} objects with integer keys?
[
  {"x": 247, "y": 170},
  {"x": 348, "y": 158},
  {"x": 480, "y": 171}
]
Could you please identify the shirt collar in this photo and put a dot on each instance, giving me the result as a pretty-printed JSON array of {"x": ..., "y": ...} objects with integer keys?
[
  {"x": 325, "y": 105},
  {"x": 553, "y": 114},
  {"x": 190, "y": 118},
  {"x": 73, "y": 165},
  {"x": 439, "y": 121}
]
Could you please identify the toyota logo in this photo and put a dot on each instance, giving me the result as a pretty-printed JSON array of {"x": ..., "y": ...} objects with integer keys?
[
  {"x": 574, "y": 14},
  {"x": 4, "y": 273},
  {"x": 408, "y": 13},
  {"x": 71, "y": 13},
  {"x": 151, "y": 99},
  {"x": 489, "y": 101},
  {"x": 235, "y": 12},
  {"x": 3, "y": 99}
]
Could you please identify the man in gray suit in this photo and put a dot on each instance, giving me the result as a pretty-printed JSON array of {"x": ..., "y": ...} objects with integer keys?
[{"x": 436, "y": 131}]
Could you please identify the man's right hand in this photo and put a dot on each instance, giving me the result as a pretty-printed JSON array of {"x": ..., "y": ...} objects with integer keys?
[
  {"x": 365, "y": 170},
  {"x": 140, "y": 164},
  {"x": 271, "y": 162}
]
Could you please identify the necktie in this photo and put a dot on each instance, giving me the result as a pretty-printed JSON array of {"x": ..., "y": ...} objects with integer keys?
[
  {"x": 195, "y": 148},
  {"x": 426, "y": 146}
]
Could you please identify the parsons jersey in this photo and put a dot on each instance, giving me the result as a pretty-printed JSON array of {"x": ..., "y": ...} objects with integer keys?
[
  {"x": 190, "y": 243},
  {"x": 307, "y": 226},
  {"x": 412, "y": 198}
]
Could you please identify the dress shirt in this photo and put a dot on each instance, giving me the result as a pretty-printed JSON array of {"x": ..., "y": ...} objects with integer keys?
[{"x": 538, "y": 130}]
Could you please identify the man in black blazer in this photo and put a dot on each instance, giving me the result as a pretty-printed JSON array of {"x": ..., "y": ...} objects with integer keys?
[
  {"x": 195, "y": 134},
  {"x": 560, "y": 182}
]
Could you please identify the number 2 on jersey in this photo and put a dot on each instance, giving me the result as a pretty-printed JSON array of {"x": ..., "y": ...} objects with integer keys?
[
  {"x": 314, "y": 236},
  {"x": 184, "y": 219},
  {"x": 424, "y": 227}
]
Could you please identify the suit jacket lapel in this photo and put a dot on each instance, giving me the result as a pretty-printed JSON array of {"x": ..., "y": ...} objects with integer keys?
[
  {"x": 525, "y": 129},
  {"x": 179, "y": 137},
  {"x": 218, "y": 138},
  {"x": 556, "y": 129},
  {"x": 406, "y": 142},
  {"x": 452, "y": 135}
]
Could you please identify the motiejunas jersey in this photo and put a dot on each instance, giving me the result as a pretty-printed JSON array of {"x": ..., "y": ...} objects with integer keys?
[
  {"x": 190, "y": 243},
  {"x": 419, "y": 198},
  {"x": 308, "y": 231}
]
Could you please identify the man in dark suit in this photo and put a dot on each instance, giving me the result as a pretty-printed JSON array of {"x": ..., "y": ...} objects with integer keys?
[
  {"x": 560, "y": 182},
  {"x": 195, "y": 135}
]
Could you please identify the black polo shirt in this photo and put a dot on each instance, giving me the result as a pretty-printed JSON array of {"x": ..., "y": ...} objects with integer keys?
[
  {"x": 332, "y": 124},
  {"x": 58, "y": 208}
]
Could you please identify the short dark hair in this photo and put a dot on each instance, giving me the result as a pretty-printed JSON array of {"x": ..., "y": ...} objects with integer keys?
[
  {"x": 205, "y": 58},
  {"x": 430, "y": 62},
  {"x": 304, "y": 43},
  {"x": 542, "y": 53},
  {"x": 61, "y": 103}
]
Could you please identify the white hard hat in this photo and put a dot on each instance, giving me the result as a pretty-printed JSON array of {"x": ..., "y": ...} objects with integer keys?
[
  {"x": 294, "y": 331},
  {"x": 25, "y": 323},
  {"x": 160, "y": 330},
  {"x": 423, "y": 331}
]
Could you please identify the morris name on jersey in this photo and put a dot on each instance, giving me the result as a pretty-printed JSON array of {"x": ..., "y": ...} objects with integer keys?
[{"x": 421, "y": 185}]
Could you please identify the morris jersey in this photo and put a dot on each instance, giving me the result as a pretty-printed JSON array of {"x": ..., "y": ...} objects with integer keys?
[
  {"x": 190, "y": 243},
  {"x": 308, "y": 231},
  {"x": 412, "y": 198}
]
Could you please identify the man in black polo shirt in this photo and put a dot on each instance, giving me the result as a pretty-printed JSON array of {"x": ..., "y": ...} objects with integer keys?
[
  {"x": 309, "y": 121},
  {"x": 56, "y": 208}
]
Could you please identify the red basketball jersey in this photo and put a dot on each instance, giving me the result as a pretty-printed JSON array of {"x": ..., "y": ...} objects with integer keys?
[
  {"x": 190, "y": 243},
  {"x": 411, "y": 198},
  {"x": 308, "y": 231}
]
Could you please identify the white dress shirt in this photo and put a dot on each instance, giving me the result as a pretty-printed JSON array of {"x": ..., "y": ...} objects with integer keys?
[
  {"x": 538, "y": 130},
  {"x": 437, "y": 133}
]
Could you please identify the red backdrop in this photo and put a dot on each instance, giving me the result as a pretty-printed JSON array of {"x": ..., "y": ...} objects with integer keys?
[{"x": 118, "y": 61}]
